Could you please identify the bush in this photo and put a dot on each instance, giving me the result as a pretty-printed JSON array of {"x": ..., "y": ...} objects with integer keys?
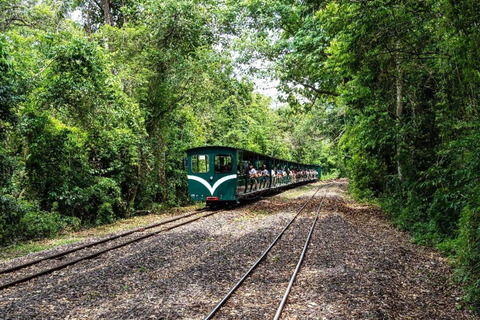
[
  {"x": 468, "y": 250},
  {"x": 41, "y": 224},
  {"x": 57, "y": 165},
  {"x": 116, "y": 156},
  {"x": 22, "y": 219},
  {"x": 12, "y": 211},
  {"x": 105, "y": 201}
]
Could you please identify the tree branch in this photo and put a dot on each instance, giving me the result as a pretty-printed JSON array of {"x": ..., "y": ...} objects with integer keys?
[{"x": 319, "y": 91}]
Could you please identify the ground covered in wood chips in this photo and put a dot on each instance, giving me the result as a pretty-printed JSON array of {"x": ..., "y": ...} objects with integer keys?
[{"x": 356, "y": 267}]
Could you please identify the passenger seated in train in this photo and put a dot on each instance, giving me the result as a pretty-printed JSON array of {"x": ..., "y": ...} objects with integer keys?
[
  {"x": 274, "y": 177},
  {"x": 246, "y": 174},
  {"x": 253, "y": 178},
  {"x": 280, "y": 176},
  {"x": 260, "y": 177},
  {"x": 264, "y": 177}
]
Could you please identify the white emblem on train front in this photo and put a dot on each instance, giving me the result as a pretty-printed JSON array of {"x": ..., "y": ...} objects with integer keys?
[{"x": 216, "y": 185}]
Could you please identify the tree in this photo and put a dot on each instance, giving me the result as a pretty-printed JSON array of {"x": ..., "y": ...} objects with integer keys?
[{"x": 403, "y": 75}]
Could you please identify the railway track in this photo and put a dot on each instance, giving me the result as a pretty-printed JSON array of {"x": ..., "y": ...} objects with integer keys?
[
  {"x": 256, "y": 265},
  {"x": 194, "y": 216}
]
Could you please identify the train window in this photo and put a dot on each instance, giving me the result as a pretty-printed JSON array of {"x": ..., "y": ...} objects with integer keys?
[
  {"x": 200, "y": 163},
  {"x": 223, "y": 163}
]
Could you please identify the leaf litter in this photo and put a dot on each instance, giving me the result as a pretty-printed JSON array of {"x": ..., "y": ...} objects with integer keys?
[{"x": 357, "y": 267}]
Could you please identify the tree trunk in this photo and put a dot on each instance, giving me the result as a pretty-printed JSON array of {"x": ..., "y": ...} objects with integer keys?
[
  {"x": 161, "y": 158},
  {"x": 125, "y": 19},
  {"x": 88, "y": 28},
  {"x": 106, "y": 12},
  {"x": 399, "y": 111},
  {"x": 108, "y": 19}
]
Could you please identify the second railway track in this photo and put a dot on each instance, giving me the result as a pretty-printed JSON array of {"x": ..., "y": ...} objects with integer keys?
[{"x": 20, "y": 273}]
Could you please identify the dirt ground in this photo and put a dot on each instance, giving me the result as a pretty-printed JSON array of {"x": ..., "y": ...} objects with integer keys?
[{"x": 357, "y": 267}]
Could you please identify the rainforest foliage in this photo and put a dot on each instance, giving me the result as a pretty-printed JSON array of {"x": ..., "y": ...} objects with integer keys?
[
  {"x": 403, "y": 77},
  {"x": 96, "y": 112},
  {"x": 99, "y": 101}
]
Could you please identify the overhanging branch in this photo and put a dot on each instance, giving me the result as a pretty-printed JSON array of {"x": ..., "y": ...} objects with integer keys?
[{"x": 319, "y": 91}]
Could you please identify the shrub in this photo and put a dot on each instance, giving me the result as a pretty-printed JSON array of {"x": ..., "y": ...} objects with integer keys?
[
  {"x": 41, "y": 224},
  {"x": 105, "y": 201},
  {"x": 468, "y": 249},
  {"x": 22, "y": 219},
  {"x": 12, "y": 211}
]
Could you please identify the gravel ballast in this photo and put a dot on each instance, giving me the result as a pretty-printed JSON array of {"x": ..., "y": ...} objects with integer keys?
[{"x": 356, "y": 267}]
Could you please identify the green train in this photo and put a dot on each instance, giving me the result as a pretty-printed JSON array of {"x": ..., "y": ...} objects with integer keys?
[{"x": 223, "y": 175}]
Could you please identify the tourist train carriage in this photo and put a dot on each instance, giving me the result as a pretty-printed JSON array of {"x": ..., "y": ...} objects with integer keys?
[{"x": 215, "y": 174}]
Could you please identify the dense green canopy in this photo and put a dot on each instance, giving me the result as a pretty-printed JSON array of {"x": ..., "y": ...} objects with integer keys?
[{"x": 97, "y": 113}]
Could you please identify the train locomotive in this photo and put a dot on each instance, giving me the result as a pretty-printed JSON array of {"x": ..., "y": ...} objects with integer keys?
[{"x": 220, "y": 175}]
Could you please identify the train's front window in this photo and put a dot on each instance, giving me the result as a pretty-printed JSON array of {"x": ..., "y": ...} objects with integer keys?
[
  {"x": 223, "y": 163},
  {"x": 200, "y": 163}
]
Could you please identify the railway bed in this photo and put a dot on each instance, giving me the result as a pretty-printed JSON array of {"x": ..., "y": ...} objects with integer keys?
[
  {"x": 19, "y": 273},
  {"x": 356, "y": 267}
]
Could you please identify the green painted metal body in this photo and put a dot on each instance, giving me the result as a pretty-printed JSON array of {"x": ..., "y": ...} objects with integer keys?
[{"x": 213, "y": 180}]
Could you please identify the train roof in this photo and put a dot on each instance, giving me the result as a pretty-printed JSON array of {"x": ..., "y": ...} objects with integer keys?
[
  {"x": 211, "y": 147},
  {"x": 246, "y": 151}
]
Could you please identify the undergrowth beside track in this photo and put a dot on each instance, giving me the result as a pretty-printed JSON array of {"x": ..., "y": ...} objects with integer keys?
[{"x": 24, "y": 248}]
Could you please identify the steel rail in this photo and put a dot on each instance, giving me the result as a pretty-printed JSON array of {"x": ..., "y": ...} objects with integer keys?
[
  {"x": 264, "y": 254},
  {"x": 63, "y": 253},
  {"x": 151, "y": 234},
  {"x": 300, "y": 260}
]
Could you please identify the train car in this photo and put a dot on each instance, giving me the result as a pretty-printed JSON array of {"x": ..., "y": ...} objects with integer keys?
[{"x": 216, "y": 175}]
